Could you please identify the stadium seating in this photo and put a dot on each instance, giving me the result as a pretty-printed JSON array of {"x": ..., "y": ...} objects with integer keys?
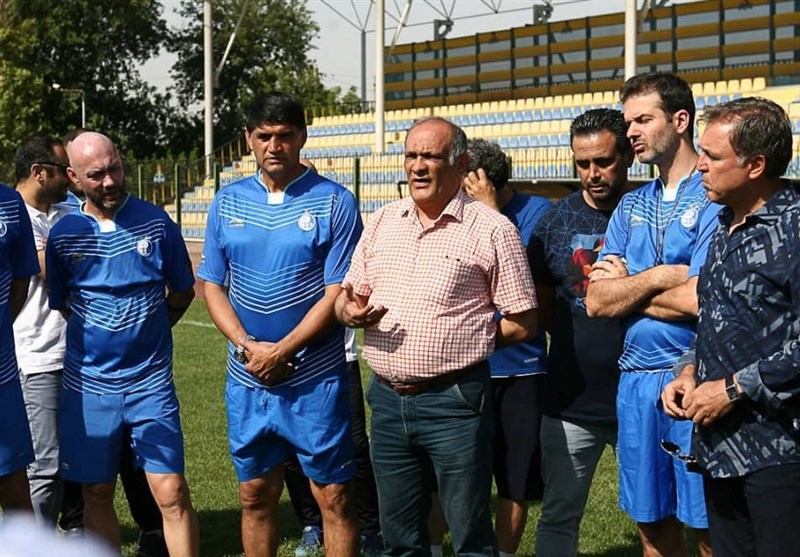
[{"x": 534, "y": 132}]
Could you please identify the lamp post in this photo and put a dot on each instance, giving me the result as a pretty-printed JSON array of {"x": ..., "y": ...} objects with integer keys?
[{"x": 57, "y": 87}]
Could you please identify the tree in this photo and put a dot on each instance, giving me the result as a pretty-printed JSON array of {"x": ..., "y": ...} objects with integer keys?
[
  {"x": 270, "y": 53},
  {"x": 92, "y": 46}
]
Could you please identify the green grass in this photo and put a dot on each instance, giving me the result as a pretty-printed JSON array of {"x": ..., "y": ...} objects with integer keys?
[{"x": 200, "y": 379}]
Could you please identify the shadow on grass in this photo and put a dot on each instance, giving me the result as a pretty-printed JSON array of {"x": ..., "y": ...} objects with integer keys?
[{"x": 220, "y": 531}]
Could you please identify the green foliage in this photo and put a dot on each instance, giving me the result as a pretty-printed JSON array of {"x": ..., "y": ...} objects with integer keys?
[
  {"x": 80, "y": 44},
  {"x": 270, "y": 53}
]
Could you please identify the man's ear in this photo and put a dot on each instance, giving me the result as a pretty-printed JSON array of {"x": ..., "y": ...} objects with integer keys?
[
  {"x": 248, "y": 139},
  {"x": 38, "y": 172},
  {"x": 756, "y": 166},
  {"x": 681, "y": 120}
]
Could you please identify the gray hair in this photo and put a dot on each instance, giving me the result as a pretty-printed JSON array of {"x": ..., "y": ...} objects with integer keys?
[
  {"x": 458, "y": 140},
  {"x": 758, "y": 127}
]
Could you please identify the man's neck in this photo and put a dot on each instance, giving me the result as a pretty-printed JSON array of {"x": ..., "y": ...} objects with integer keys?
[
  {"x": 99, "y": 213},
  {"x": 277, "y": 184},
  {"x": 683, "y": 163},
  {"x": 761, "y": 194},
  {"x": 504, "y": 195},
  {"x": 29, "y": 192},
  {"x": 604, "y": 205}
]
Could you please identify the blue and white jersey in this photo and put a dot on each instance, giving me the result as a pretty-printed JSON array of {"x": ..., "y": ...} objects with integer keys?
[
  {"x": 648, "y": 230},
  {"x": 72, "y": 201},
  {"x": 113, "y": 279},
  {"x": 17, "y": 261},
  {"x": 529, "y": 357},
  {"x": 277, "y": 253}
]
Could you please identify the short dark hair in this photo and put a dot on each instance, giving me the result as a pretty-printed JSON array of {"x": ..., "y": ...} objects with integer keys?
[
  {"x": 602, "y": 119},
  {"x": 675, "y": 93},
  {"x": 458, "y": 139},
  {"x": 758, "y": 127},
  {"x": 274, "y": 108},
  {"x": 488, "y": 156},
  {"x": 33, "y": 149}
]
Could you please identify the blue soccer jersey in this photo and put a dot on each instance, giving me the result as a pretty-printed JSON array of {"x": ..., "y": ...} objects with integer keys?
[
  {"x": 528, "y": 357},
  {"x": 648, "y": 230},
  {"x": 277, "y": 256},
  {"x": 113, "y": 279},
  {"x": 17, "y": 261}
]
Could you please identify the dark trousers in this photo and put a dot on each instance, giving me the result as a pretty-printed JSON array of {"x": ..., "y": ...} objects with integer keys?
[
  {"x": 305, "y": 507},
  {"x": 144, "y": 510},
  {"x": 757, "y": 515}
]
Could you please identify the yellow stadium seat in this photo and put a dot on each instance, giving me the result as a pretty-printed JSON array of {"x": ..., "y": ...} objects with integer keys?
[
  {"x": 734, "y": 87},
  {"x": 759, "y": 84},
  {"x": 721, "y": 88},
  {"x": 746, "y": 85},
  {"x": 697, "y": 89}
]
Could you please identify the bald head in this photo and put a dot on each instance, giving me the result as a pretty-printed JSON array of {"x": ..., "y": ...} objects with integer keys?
[{"x": 95, "y": 167}]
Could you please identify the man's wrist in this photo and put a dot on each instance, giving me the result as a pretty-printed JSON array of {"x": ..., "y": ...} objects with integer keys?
[{"x": 239, "y": 352}]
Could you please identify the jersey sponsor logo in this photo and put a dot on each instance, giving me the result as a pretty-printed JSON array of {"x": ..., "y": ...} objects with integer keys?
[
  {"x": 689, "y": 217},
  {"x": 3, "y": 228},
  {"x": 235, "y": 223},
  {"x": 77, "y": 256},
  {"x": 636, "y": 220},
  {"x": 306, "y": 221},
  {"x": 144, "y": 246}
]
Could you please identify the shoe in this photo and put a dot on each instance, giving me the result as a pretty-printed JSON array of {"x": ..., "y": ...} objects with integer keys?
[
  {"x": 310, "y": 542},
  {"x": 152, "y": 544},
  {"x": 372, "y": 545}
]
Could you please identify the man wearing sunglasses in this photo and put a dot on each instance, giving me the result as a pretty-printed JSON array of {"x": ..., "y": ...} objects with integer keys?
[
  {"x": 741, "y": 384},
  {"x": 40, "y": 165}
]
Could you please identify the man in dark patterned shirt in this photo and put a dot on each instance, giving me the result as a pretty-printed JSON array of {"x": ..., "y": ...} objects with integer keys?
[{"x": 741, "y": 384}]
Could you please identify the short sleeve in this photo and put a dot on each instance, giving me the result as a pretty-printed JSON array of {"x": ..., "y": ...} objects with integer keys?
[
  {"x": 346, "y": 229},
  {"x": 23, "y": 259},
  {"x": 513, "y": 290},
  {"x": 708, "y": 224},
  {"x": 616, "y": 238},
  {"x": 213, "y": 265},
  {"x": 177, "y": 264},
  {"x": 537, "y": 252}
]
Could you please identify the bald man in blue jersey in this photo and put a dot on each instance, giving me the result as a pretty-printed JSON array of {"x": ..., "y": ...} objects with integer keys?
[
  {"x": 119, "y": 271},
  {"x": 646, "y": 273},
  {"x": 277, "y": 247}
]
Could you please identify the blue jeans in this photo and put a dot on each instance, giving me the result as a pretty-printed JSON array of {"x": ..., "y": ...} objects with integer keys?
[{"x": 446, "y": 431}]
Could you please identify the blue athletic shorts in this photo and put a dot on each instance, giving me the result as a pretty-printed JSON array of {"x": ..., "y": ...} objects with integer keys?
[
  {"x": 93, "y": 428},
  {"x": 652, "y": 484},
  {"x": 16, "y": 448},
  {"x": 312, "y": 420}
]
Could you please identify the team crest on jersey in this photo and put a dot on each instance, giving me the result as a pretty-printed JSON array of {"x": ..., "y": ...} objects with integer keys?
[
  {"x": 3, "y": 228},
  {"x": 144, "y": 246},
  {"x": 306, "y": 221},
  {"x": 689, "y": 217}
]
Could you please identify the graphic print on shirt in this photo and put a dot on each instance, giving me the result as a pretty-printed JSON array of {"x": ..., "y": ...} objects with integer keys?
[{"x": 585, "y": 250}]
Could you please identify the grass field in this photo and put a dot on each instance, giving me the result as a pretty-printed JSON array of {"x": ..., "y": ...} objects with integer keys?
[{"x": 200, "y": 378}]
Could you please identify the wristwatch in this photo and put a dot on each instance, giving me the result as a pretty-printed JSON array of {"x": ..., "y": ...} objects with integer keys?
[
  {"x": 238, "y": 353},
  {"x": 731, "y": 390}
]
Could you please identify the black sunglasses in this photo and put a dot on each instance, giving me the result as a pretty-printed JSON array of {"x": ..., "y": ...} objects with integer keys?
[
  {"x": 673, "y": 450},
  {"x": 63, "y": 167}
]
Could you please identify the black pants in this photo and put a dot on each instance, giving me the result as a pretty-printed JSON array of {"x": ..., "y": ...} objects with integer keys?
[
  {"x": 144, "y": 510},
  {"x": 305, "y": 507},
  {"x": 757, "y": 515}
]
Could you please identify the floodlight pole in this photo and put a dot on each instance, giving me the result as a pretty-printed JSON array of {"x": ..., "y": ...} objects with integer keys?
[
  {"x": 208, "y": 85},
  {"x": 82, "y": 93},
  {"x": 379, "y": 75},
  {"x": 630, "y": 38}
]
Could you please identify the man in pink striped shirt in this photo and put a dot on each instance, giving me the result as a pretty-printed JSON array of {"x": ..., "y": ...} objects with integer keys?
[{"x": 427, "y": 280}]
